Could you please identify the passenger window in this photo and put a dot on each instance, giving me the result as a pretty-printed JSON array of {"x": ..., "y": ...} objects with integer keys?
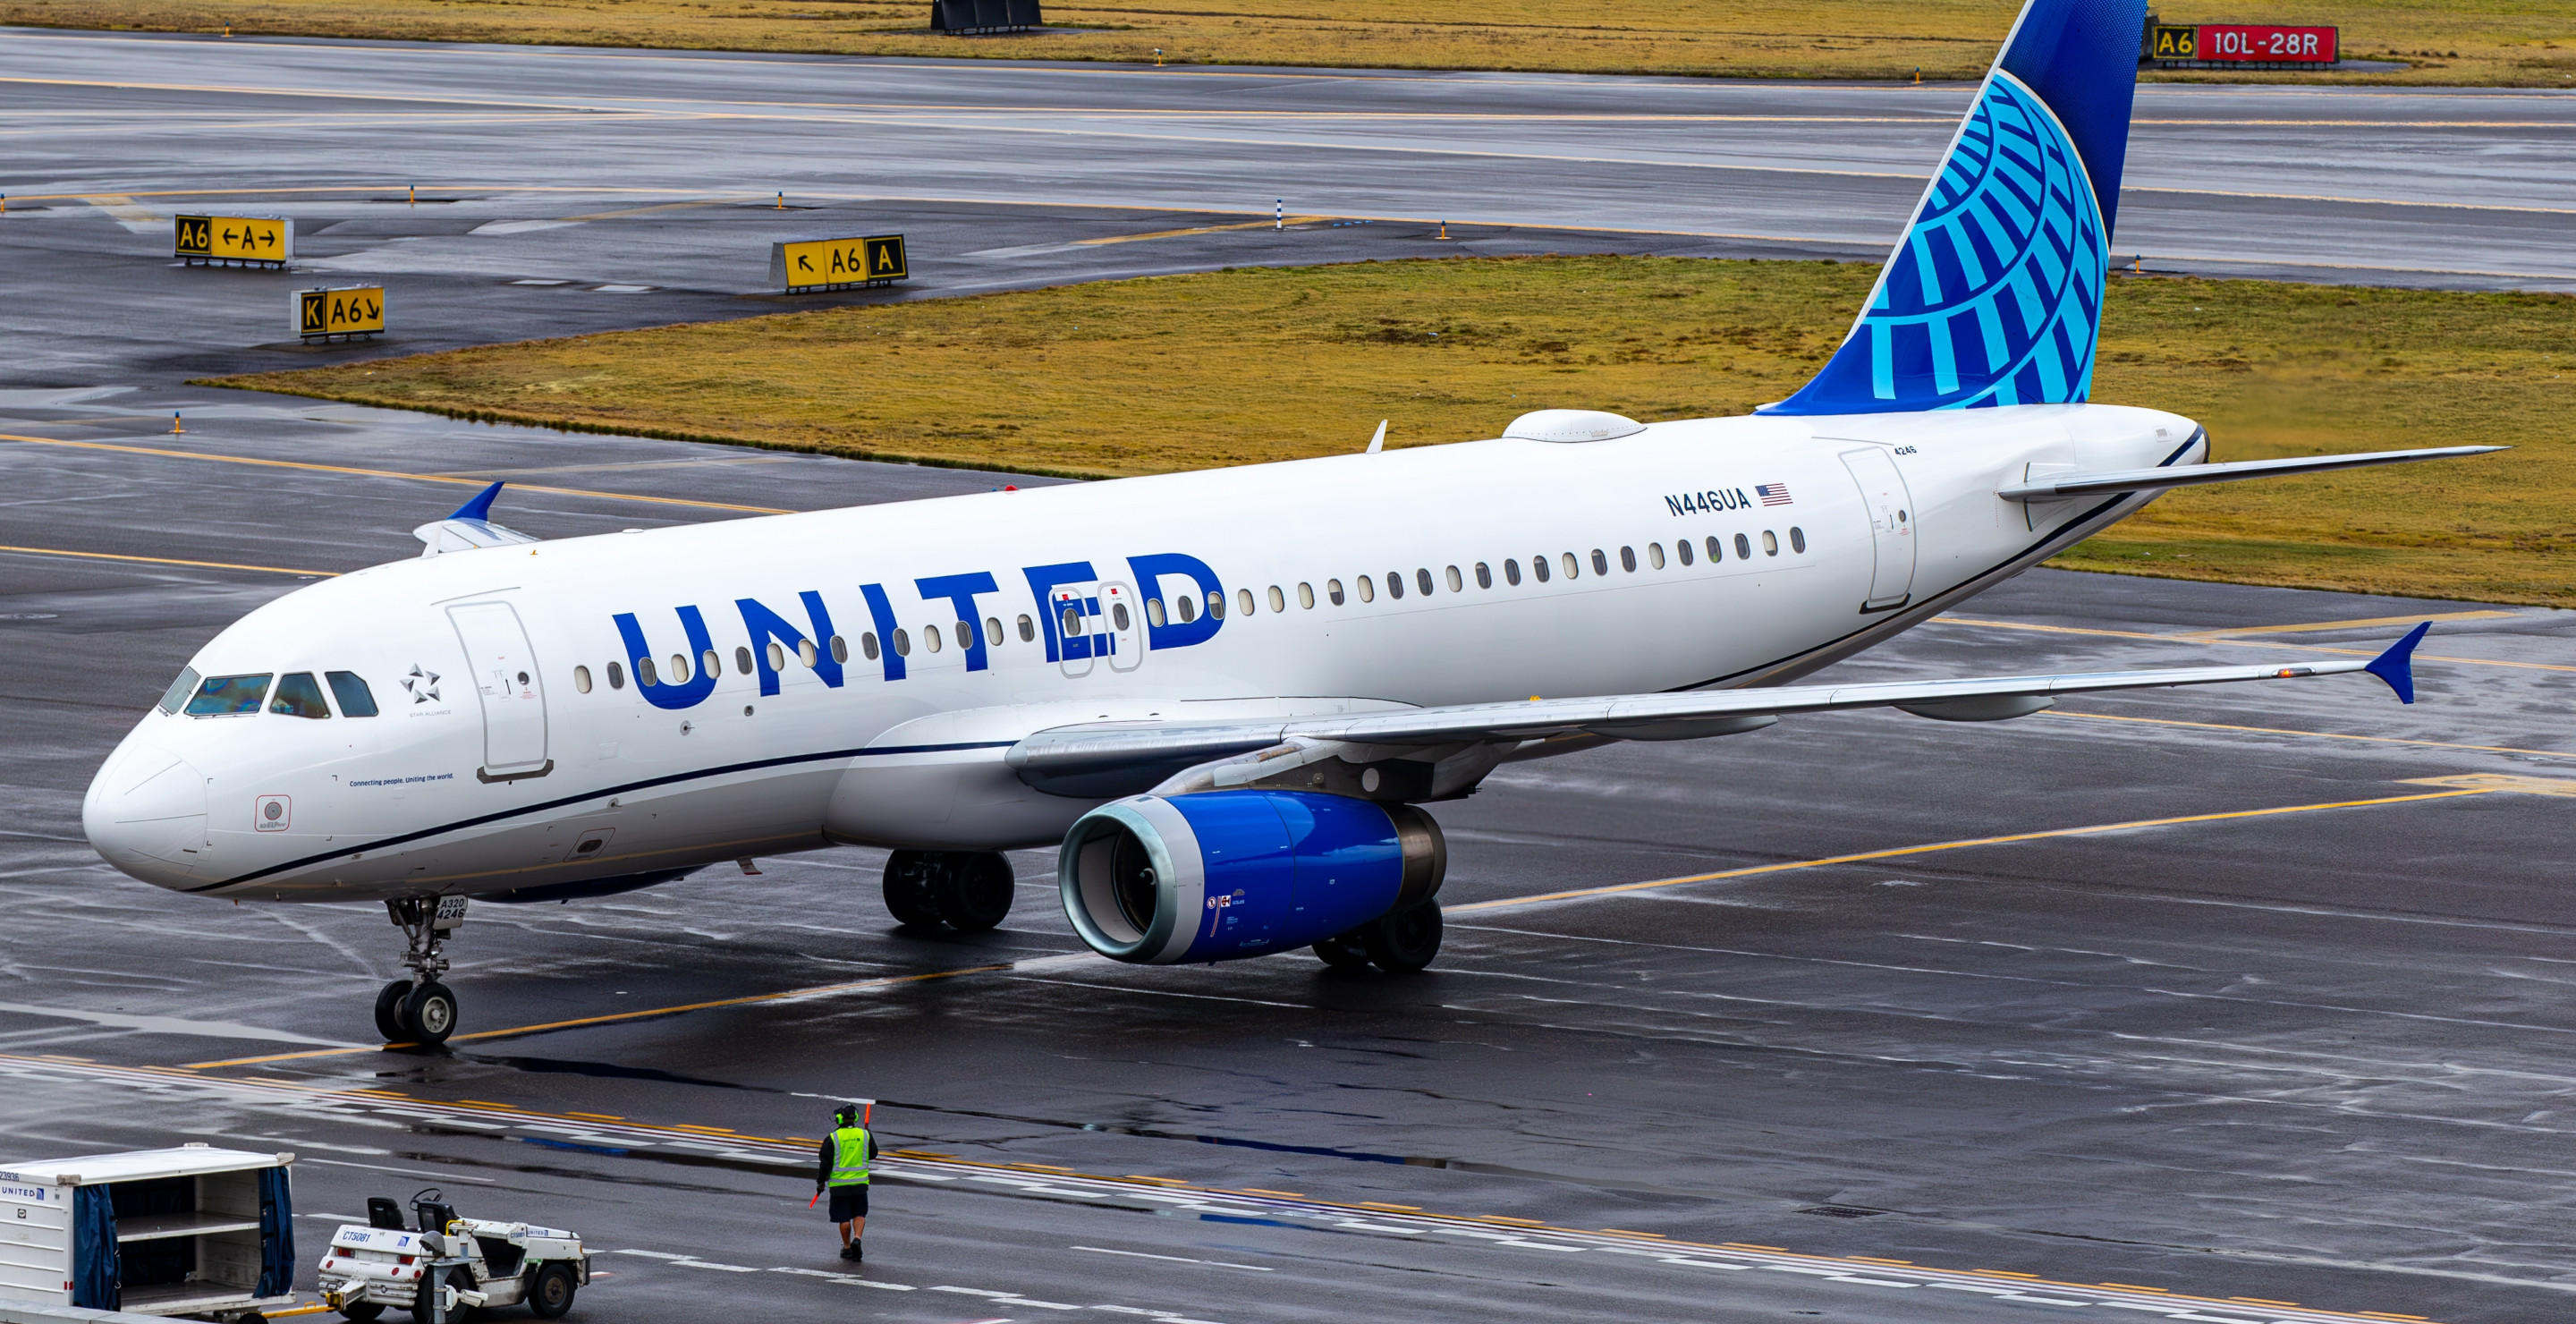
[
  {"x": 1243, "y": 600},
  {"x": 1189, "y": 608},
  {"x": 580, "y": 682},
  {"x": 1484, "y": 575},
  {"x": 299, "y": 695},
  {"x": 1715, "y": 555},
  {"x": 1627, "y": 559},
  {"x": 1154, "y": 612},
  {"x": 868, "y": 645},
  {"x": 356, "y": 700},
  {"x": 1072, "y": 622},
  {"x": 1797, "y": 539},
  {"x": 1538, "y": 567},
  {"x": 1422, "y": 580},
  {"x": 1028, "y": 629},
  {"x": 840, "y": 649},
  {"x": 992, "y": 632},
  {"x": 1770, "y": 543},
  {"x": 1216, "y": 604},
  {"x": 929, "y": 638},
  {"x": 805, "y": 653},
  {"x": 714, "y": 664},
  {"x": 903, "y": 643},
  {"x": 1655, "y": 555},
  {"x": 1333, "y": 590},
  {"x": 644, "y": 673},
  {"x": 1395, "y": 583},
  {"x": 1455, "y": 584},
  {"x": 742, "y": 658},
  {"x": 229, "y": 696},
  {"x": 1278, "y": 600},
  {"x": 1683, "y": 549},
  {"x": 1118, "y": 617},
  {"x": 1601, "y": 564},
  {"x": 616, "y": 680},
  {"x": 1573, "y": 567},
  {"x": 1368, "y": 588},
  {"x": 180, "y": 689},
  {"x": 1743, "y": 548},
  {"x": 1512, "y": 573},
  {"x": 1306, "y": 596}
]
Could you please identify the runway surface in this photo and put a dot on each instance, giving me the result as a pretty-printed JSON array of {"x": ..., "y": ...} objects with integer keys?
[
  {"x": 641, "y": 171},
  {"x": 1933, "y": 1036}
]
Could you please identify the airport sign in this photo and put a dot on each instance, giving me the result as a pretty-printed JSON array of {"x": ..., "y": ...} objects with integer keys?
[
  {"x": 2266, "y": 43},
  {"x": 257, "y": 240},
  {"x": 799, "y": 265},
  {"x": 358, "y": 310}
]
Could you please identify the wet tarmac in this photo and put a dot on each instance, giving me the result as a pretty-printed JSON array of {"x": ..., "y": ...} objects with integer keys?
[{"x": 2226, "y": 995}]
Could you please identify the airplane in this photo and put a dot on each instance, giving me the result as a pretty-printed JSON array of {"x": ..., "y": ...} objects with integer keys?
[{"x": 1224, "y": 696}]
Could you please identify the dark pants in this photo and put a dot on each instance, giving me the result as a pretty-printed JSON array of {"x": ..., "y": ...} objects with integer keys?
[{"x": 849, "y": 1202}]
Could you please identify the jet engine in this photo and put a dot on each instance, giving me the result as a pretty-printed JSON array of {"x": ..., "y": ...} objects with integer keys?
[{"x": 1227, "y": 874}]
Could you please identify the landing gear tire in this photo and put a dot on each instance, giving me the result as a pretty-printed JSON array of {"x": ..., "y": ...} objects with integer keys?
[
  {"x": 551, "y": 1294},
  {"x": 1405, "y": 941},
  {"x": 912, "y": 887},
  {"x": 361, "y": 1312},
  {"x": 389, "y": 1002},
  {"x": 976, "y": 889},
  {"x": 429, "y": 1014},
  {"x": 1343, "y": 951}
]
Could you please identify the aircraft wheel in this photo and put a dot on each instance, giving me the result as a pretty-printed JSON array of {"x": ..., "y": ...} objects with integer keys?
[
  {"x": 389, "y": 1000},
  {"x": 1404, "y": 941},
  {"x": 976, "y": 889},
  {"x": 912, "y": 887},
  {"x": 1343, "y": 951},
  {"x": 551, "y": 1294},
  {"x": 361, "y": 1312},
  {"x": 429, "y": 1014}
]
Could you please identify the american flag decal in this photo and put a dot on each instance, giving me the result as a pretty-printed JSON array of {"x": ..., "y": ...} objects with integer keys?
[{"x": 1772, "y": 494}]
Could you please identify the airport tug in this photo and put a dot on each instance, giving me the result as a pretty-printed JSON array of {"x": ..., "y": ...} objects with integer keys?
[{"x": 448, "y": 1266}]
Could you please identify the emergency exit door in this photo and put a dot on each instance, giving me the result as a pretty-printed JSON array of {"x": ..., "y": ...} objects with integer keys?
[
  {"x": 1891, "y": 526},
  {"x": 503, "y": 669}
]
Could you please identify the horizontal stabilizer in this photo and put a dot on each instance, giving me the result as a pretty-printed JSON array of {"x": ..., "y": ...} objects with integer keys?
[
  {"x": 469, "y": 528},
  {"x": 2058, "y": 487}
]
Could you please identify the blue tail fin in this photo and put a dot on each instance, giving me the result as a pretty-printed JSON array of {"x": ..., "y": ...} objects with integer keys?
[{"x": 1994, "y": 295}]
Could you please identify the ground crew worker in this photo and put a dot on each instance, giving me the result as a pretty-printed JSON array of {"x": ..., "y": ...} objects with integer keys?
[{"x": 842, "y": 1167}]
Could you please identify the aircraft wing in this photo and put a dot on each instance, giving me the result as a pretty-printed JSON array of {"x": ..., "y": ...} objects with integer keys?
[
  {"x": 469, "y": 528},
  {"x": 1087, "y": 757}
]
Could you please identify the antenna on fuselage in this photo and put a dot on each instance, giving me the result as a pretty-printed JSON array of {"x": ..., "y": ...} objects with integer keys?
[{"x": 1378, "y": 443}]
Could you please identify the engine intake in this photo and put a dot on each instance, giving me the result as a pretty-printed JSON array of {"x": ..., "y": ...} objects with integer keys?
[{"x": 1231, "y": 874}]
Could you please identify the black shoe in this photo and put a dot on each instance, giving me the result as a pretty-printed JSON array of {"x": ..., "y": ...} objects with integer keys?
[
  {"x": 856, "y": 1253},
  {"x": 849, "y": 1252}
]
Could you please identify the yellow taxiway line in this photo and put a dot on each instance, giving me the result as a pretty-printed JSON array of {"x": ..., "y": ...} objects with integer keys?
[{"x": 168, "y": 560}]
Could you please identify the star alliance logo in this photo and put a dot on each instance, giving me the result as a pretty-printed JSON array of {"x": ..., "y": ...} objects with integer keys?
[{"x": 422, "y": 684}]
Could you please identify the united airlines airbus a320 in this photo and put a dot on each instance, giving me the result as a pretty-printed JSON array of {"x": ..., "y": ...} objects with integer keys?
[{"x": 1225, "y": 694}]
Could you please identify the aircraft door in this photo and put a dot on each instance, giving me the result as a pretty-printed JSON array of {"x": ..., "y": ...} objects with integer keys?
[
  {"x": 1121, "y": 630},
  {"x": 512, "y": 690},
  {"x": 1891, "y": 526},
  {"x": 1077, "y": 613}
]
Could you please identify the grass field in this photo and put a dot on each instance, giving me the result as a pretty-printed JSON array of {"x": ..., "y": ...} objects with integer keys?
[
  {"x": 2470, "y": 42},
  {"x": 1239, "y": 366}
]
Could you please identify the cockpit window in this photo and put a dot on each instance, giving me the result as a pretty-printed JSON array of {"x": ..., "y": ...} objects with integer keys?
[
  {"x": 229, "y": 696},
  {"x": 299, "y": 695},
  {"x": 179, "y": 690},
  {"x": 350, "y": 688}
]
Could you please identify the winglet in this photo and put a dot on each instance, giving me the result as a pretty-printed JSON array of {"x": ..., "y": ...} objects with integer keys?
[
  {"x": 480, "y": 507},
  {"x": 2397, "y": 665}
]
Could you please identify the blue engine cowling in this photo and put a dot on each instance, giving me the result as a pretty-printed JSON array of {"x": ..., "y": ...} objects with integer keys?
[{"x": 1229, "y": 874}]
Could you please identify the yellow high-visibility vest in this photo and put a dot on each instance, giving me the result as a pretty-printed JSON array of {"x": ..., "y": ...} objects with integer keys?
[{"x": 850, "y": 1159}]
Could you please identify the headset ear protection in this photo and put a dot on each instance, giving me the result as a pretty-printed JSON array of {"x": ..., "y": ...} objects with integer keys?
[{"x": 847, "y": 1116}]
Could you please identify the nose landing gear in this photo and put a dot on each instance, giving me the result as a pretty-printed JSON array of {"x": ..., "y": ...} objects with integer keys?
[
  {"x": 969, "y": 891},
  {"x": 420, "y": 1009}
]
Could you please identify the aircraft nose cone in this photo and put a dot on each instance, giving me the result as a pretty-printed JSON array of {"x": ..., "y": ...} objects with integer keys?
[{"x": 146, "y": 814}]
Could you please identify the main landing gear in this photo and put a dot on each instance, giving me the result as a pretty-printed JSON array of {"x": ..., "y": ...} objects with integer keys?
[
  {"x": 421, "y": 1010},
  {"x": 1398, "y": 944},
  {"x": 969, "y": 891}
]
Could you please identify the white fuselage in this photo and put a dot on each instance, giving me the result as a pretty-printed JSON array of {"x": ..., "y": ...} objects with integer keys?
[{"x": 478, "y": 782}]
